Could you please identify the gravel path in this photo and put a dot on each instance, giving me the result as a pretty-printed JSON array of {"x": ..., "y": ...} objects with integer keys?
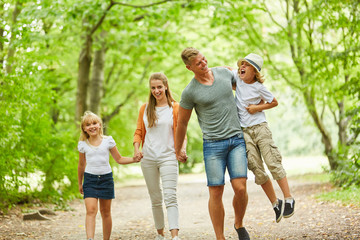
[{"x": 132, "y": 218}]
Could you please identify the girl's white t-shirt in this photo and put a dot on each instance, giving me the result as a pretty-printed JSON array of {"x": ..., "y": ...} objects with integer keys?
[
  {"x": 247, "y": 94},
  {"x": 97, "y": 158},
  {"x": 159, "y": 139}
]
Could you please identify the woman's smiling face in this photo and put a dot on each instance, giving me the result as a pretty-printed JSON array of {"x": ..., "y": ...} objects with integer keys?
[{"x": 158, "y": 89}]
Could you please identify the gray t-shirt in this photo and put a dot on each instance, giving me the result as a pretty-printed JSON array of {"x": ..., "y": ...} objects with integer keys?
[{"x": 214, "y": 105}]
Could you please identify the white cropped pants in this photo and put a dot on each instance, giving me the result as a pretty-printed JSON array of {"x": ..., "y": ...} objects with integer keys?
[{"x": 167, "y": 171}]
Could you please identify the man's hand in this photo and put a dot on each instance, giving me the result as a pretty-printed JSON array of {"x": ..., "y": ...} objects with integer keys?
[
  {"x": 182, "y": 157},
  {"x": 252, "y": 109}
]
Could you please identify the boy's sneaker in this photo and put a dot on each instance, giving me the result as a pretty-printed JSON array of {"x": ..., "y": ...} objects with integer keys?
[
  {"x": 279, "y": 209},
  {"x": 289, "y": 208}
]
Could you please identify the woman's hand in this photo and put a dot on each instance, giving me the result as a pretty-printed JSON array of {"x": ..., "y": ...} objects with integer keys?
[
  {"x": 138, "y": 156},
  {"x": 182, "y": 157}
]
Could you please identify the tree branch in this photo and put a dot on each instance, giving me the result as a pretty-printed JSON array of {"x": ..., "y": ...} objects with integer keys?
[
  {"x": 113, "y": 3},
  {"x": 141, "y": 6},
  {"x": 128, "y": 96},
  {"x": 272, "y": 18},
  {"x": 281, "y": 73}
]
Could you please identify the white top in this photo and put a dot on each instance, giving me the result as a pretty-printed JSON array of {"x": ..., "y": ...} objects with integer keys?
[
  {"x": 247, "y": 94},
  {"x": 97, "y": 158},
  {"x": 159, "y": 139}
]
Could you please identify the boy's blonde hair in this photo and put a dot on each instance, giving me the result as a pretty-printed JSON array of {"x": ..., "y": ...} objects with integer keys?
[
  {"x": 188, "y": 54},
  {"x": 89, "y": 117},
  {"x": 151, "y": 111}
]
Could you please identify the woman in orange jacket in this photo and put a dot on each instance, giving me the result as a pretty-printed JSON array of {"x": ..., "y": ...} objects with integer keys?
[{"x": 155, "y": 131}]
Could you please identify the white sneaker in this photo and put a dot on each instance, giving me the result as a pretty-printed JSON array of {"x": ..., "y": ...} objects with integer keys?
[
  {"x": 160, "y": 237},
  {"x": 176, "y": 238}
]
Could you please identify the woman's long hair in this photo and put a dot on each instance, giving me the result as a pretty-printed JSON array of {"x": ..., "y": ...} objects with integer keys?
[{"x": 151, "y": 111}]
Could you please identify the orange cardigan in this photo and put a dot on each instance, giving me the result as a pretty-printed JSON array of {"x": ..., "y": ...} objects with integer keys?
[{"x": 139, "y": 135}]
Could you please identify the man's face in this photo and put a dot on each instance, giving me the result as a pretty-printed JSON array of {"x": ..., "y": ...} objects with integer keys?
[{"x": 198, "y": 64}]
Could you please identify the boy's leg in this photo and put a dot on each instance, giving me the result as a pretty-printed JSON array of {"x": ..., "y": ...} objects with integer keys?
[
  {"x": 255, "y": 163},
  {"x": 105, "y": 210},
  {"x": 216, "y": 210},
  {"x": 269, "y": 190},
  {"x": 284, "y": 185},
  {"x": 273, "y": 160},
  {"x": 91, "y": 205},
  {"x": 289, "y": 200}
]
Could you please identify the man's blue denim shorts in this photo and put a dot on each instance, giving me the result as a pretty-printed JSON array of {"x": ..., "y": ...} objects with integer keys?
[
  {"x": 98, "y": 186},
  {"x": 227, "y": 153}
]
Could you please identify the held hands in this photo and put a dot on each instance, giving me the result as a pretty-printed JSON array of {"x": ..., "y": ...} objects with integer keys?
[
  {"x": 138, "y": 156},
  {"x": 182, "y": 157}
]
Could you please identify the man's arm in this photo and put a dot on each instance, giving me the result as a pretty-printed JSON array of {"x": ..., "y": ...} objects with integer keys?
[
  {"x": 183, "y": 120},
  {"x": 261, "y": 106}
]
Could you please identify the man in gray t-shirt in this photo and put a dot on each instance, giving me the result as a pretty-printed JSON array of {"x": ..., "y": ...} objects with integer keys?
[{"x": 210, "y": 94}]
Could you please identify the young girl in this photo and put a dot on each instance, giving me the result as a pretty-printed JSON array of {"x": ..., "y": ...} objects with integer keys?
[
  {"x": 94, "y": 168},
  {"x": 155, "y": 129},
  {"x": 250, "y": 93}
]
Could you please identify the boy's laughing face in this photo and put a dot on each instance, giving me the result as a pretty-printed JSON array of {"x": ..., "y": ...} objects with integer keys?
[{"x": 247, "y": 72}]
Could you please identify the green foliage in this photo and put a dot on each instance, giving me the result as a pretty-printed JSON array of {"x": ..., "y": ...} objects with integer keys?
[
  {"x": 38, "y": 155},
  {"x": 348, "y": 172},
  {"x": 348, "y": 196}
]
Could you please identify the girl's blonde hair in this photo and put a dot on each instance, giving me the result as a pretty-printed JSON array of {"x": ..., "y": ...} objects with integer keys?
[
  {"x": 89, "y": 117},
  {"x": 151, "y": 111}
]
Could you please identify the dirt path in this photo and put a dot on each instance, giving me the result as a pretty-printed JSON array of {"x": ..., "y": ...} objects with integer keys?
[{"x": 132, "y": 218}]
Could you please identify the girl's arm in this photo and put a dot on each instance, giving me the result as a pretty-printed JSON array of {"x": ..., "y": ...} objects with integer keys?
[
  {"x": 258, "y": 108},
  {"x": 122, "y": 160},
  {"x": 81, "y": 170}
]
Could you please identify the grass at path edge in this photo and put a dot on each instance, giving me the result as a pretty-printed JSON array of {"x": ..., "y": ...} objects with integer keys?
[{"x": 344, "y": 196}]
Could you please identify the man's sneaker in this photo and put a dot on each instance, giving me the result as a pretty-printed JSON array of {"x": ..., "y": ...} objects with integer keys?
[
  {"x": 289, "y": 208},
  {"x": 242, "y": 233},
  {"x": 279, "y": 209}
]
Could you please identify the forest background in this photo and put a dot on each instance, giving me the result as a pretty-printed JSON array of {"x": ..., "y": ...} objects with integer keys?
[{"x": 59, "y": 58}]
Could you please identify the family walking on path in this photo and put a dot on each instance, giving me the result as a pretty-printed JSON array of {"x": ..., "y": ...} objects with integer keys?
[{"x": 235, "y": 138}]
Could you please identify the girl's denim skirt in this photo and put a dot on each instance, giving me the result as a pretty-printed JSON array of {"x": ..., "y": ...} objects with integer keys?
[{"x": 98, "y": 186}]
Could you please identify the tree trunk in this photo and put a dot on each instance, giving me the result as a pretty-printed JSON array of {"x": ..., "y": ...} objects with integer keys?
[
  {"x": 83, "y": 77},
  {"x": 11, "y": 51},
  {"x": 97, "y": 80},
  {"x": 325, "y": 136},
  {"x": 1, "y": 42}
]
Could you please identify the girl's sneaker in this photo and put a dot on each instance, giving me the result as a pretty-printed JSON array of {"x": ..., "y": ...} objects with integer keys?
[
  {"x": 176, "y": 238},
  {"x": 160, "y": 237}
]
